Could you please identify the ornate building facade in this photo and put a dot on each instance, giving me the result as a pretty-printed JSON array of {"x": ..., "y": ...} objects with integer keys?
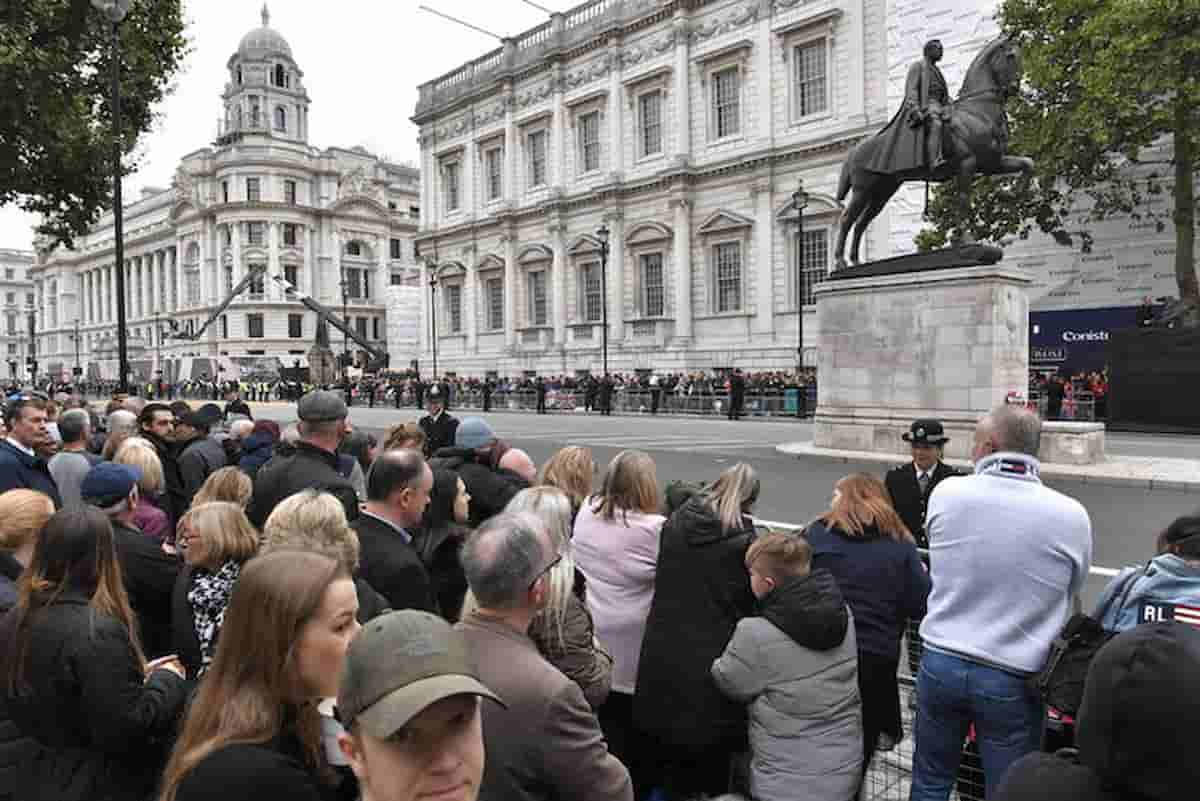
[
  {"x": 682, "y": 127},
  {"x": 336, "y": 223},
  {"x": 16, "y": 289}
]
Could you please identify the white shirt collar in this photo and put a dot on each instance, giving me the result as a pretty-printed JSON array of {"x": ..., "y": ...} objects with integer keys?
[{"x": 21, "y": 448}]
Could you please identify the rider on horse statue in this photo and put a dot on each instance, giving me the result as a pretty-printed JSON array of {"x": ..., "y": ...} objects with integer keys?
[{"x": 912, "y": 142}]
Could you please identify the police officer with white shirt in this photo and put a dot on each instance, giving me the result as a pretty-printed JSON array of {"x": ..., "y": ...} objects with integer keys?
[{"x": 910, "y": 484}]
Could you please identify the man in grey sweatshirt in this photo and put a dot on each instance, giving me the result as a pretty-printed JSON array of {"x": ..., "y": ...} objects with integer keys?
[{"x": 1007, "y": 557}]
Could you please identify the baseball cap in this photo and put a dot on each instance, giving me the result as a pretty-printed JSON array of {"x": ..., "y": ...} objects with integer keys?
[
  {"x": 399, "y": 664},
  {"x": 320, "y": 406},
  {"x": 206, "y": 416},
  {"x": 473, "y": 433},
  {"x": 109, "y": 483}
]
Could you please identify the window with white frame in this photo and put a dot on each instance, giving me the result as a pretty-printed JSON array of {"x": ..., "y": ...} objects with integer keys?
[
  {"x": 651, "y": 268},
  {"x": 289, "y": 234},
  {"x": 494, "y": 295},
  {"x": 726, "y": 102},
  {"x": 727, "y": 274},
  {"x": 289, "y": 192},
  {"x": 493, "y": 162},
  {"x": 253, "y": 189},
  {"x": 291, "y": 274},
  {"x": 256, "y": 233},
  {"x": 536, "y": 297},
  {"x": 810, "y": 78},
  {"x": 588, "y": 129},
  {"x": 450, "y": 185},
  {"x": 814, "y": 260},
  {"x": 650, "y": 131},
  {"x": 452, "y": 299},
  {"x": 591, "y": 291},
  {"x": 535, "y": 153}
]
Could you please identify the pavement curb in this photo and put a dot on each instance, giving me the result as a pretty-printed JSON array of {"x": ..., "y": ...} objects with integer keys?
[{"x": 1164, "y": 472}]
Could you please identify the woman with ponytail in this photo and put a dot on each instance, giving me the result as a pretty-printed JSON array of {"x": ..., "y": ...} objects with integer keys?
[{"x": 74, "y": 676}]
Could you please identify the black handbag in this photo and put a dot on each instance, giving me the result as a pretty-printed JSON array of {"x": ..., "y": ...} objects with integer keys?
[{"x": 1060, "y": 682}]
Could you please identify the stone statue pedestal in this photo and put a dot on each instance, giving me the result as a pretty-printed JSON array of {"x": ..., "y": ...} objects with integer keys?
[
  {"x": 949, "y": 341},
  {"x": 322, "y": 366}
]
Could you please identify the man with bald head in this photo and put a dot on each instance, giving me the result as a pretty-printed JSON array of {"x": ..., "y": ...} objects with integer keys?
[
  {"x": 546, "y": 744},
  {"x": 1007, "y": 555},
  {"x": 398, "y": 487}
]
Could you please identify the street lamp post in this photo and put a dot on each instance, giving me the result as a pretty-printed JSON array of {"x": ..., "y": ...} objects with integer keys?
[
  {"x": 345, "y": 286},
  {"x": 78, "y": 367},
  {"x": 799, "y": 203},
  {"x": 602, "y": 234},
  {"x": 433, "y": 330},
  {"x": 116, "y": 10}
]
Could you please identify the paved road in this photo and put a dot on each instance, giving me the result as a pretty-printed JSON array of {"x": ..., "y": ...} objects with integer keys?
[{"x": 1126, "y": 520}]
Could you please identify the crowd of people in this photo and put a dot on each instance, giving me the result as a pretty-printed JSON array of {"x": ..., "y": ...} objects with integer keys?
[{"x": 199, "y": 605}]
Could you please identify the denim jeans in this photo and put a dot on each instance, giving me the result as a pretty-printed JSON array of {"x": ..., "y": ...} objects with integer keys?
[{"x": 953, "y": 693}]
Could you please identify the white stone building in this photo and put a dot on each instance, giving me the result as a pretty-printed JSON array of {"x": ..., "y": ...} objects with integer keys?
[
  {"x": 261, "y": 195},
  {"x": 682, "y": 125},
  {"x": 17, "y": 293}
]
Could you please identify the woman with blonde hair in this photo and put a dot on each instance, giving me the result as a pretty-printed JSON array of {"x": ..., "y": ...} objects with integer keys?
[
  {"x": 616, "y": 548},
  {"x": 863, "y": 542},
  {"x": 215, "y": 541},
  {"x": 315, "y": 521},
  {"x": 701, "y": 591},
  {"x": 564, "y": 631},
  {"x": 23, "y": 512},
  {"x": 149, "y": 516},
  {"x": 254, "y": 730},
  {"x": 73, "y": 674},
  {"x": 229, "y": 484},
  {"x": 402, "y": 436},
  {"x": 573, "y": 470}
]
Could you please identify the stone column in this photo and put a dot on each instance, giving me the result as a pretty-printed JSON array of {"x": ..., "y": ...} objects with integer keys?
[
  {"x": 239, "y": 269},
  {"x": 509, "y": 241},
  {"x": 616, "y": 113},
  {"x": 271, "y": 289},
  {"x": 683, "y": 270},
  {"x": 616, "y": 277},
  {"x": 382, "y": 274},
  {"x": 558, "y": 133},
  {"x": 763, "y": 64},
  {"x": 558, "y": 231},
  {"x": 764, "y": 229},
  {"x": 206, "y": 250},
  {"x": 153, "y": 281},
  {"x": 683, "y": 100},
  {"x": 510, "y": 150},
  {"x": 470, "y": 299},
  {"x": 305, "y": 281},
  {"x": 425, "y": 340}
]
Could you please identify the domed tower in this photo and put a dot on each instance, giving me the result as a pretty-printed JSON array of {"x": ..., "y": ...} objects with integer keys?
[{"x": 265, "y": 95}]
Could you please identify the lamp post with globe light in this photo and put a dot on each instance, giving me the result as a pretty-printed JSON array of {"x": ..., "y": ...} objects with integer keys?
[
  {"x": 115, "y": 11},
  {"x": 799, "y": 203}
]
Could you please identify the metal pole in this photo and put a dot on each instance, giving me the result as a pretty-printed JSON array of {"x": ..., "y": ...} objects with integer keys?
[
  {"x": 433, "y": 332},
  {"x": 78, "y": 371},
  {"x": 118, "y": 216},
  {"x": 799, "y": 293},
  {"x": 345, "y": 336},
  {"x": 604, "y": 305}
]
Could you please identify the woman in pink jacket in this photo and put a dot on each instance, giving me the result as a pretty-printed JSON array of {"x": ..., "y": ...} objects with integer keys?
[{"x": 616, "y": 549}]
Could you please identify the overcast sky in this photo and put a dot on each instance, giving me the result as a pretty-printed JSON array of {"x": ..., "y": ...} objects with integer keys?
[{"x": 362, "y": 63}]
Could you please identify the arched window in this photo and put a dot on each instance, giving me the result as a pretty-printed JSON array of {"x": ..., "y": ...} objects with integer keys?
[
  {"x": 280, "y": 118},
  {"x": 279, "y": 75},
  {"x": 239, "y": 76}
]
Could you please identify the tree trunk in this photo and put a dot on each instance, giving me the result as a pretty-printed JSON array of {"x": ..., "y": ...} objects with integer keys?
[{"x": 1185, "y": 206}]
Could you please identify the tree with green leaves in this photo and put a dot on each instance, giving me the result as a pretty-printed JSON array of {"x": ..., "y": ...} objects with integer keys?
[
  {"x": 56, "y": 130},
  {"x": 1109, "y": 111}
]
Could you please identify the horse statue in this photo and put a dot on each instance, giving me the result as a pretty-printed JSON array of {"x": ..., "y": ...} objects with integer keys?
[{"x": 974, "y": 142}]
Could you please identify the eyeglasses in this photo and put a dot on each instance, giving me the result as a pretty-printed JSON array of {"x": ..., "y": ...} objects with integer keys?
[{"x": 545, "y": 570}]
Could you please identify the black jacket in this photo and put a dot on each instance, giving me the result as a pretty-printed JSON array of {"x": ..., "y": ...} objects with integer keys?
[
  {"x": 184, "y": 642},
  {"x": 490, "y": 489},
  {"x": 15, "y": 748},
  {"x": 175, "y": 497},
  {"x": 100, "y": 725},
  {"x": 19, "y": 470},
  {"x": 255, "y": 772},
  {"x": 257, "y": 450},
  {"x": 701, "y": 591},
  {"x": 304, "y": 466},
  {"x": 907, "y": 498},
  {"x": 238, "y": 406},
  {"x": 392, "y": 566},
  {"x": 439, "y": 549},
  {"x": 149, "y": 576},
  {"x": 439, "y": 433}
]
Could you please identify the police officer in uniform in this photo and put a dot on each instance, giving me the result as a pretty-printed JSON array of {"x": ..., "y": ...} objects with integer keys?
[
  {"x": 910, "y": 485},
  {"x": 487, "y": 394},
  {"x": 540, "y": 388},
  {"x": 439, "y": 426}
]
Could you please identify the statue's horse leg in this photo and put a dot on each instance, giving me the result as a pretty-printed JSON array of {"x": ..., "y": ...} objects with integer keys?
[
  {"x": 857, "y": 205},
  {"x": 885, "y": 186}
]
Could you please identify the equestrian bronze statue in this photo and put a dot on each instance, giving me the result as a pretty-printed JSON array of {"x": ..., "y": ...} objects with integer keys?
[{"x": 934, "y": 139}]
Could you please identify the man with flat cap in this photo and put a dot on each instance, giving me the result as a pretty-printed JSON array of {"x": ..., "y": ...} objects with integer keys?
[
  {"x": 314, "y": 462},
  {"x": 439, "y": 425}
]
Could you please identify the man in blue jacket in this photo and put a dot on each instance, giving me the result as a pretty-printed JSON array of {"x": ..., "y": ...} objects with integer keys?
[{"x": 20, "y": 465}]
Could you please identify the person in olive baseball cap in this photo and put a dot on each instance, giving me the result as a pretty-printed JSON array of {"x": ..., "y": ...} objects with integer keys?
[{"x": 409, "y": 701}]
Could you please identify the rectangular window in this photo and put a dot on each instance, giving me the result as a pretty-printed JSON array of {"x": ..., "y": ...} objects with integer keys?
[
  {"x": 253, "y": 190},
  {"x": 397, "y": 279},
  {"x": 291, "y": 274},
  {"x": 256, "y": 233},
  {"x": 593, "y": 297},
  {"x": 450, "y": 185},
  {"x": 8, "y": 273},
  {"x": 452, "y": 298},
  {"x": 12, "y": 325},
  {"x": 536, "y": 153},
  {"x": 537, "y": 298},
  {"x": 224, "y": 191},
  {"x": 360, "y": 327},
  {"x": 650, "y": 123},
  {"x": 296, "y": 326},
  {"x": 375, "y": 328},
  {"x": 726, "y": 102},
  {"x": 11, "y": 298},
  {"x": 589, "y": 142},
  {"x": 495, "y": 303},
  {"x": 254, "y": 326},
  {"x": 192, "y": 287},
  {"x": 727, "y": 262},
  {"x": 12, "y": 349},
  {"x": 652, "y": 284},
  {"x": 289, "y": 234},
  {"x": 28, "y": 298},
  {"x": 224, "y": 327},
  {"x": 352, "y": 285},
  {"x": 258, "y": 284},
  {"x": 494, "y": 166},
  {"x": 395, "y": 248},
  {"x": 812, "y": 95},
  {"x": 814, "y": 261},
  {"x": 289, "y": 192}
]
